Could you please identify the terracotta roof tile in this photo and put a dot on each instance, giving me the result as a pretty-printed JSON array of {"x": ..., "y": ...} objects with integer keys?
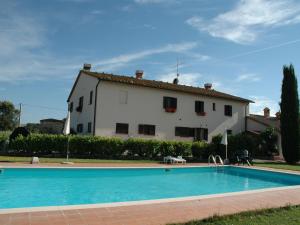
[{"x": 164, "y": 85}]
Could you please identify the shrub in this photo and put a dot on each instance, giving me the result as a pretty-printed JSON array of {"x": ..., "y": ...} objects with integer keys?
[
  {"x": 51, "y": 145},
  {"x": 4, "y": 137},
  {"x": 200, "y": 150},
  {"x": 182, "y": 148}
]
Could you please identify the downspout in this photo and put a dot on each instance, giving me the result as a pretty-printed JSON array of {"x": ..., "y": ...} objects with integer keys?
[
  {"x": 246, "y": 119},
  {"x": 95, "y": 107}
]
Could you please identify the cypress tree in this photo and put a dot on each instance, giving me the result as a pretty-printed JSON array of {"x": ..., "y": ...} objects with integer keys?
[{"x": 289, "y": 117}]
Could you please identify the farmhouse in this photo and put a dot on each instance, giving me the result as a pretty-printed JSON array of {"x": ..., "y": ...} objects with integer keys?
[{"x": 112, "y": 105}]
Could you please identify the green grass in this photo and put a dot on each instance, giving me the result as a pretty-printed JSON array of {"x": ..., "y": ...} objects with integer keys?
[
  {"x": 278, "y": 165},
  {"x": 59, "y": 160},
  {"x": 289, "y": 215}
]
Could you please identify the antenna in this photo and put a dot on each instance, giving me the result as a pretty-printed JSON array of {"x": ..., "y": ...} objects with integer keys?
[
  {"x": 177, "y": 67},
  {"x": 176, "y": 80}
]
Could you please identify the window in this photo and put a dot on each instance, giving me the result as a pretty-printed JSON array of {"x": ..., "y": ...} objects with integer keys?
[
  {"x": 71, "y": 107},
  {"x": 89, "y": 127},
  {"x": 228, "y": 110},
  {"x": 122, "y": 128},
  {"x": 79, "y": 128},
  {"x": 91, "y": 97},
  {"x": 170, "y": 104},
  {"x": 80, "y": 106},
  {"x": 123, "y": 96},
  {"x": 199, "y": 107},
  {"x": 205, "y": 133},
  {"x": 201, "y": 134},
  {"x": 184, "y": 132},
  {"x": 214, "y": 106},
  {"x": 147, "y": 129},
  {"x": 229, "y": 132}
]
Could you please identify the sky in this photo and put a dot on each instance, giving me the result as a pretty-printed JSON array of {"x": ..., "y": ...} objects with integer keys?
[{"x": 240, "y": 46}]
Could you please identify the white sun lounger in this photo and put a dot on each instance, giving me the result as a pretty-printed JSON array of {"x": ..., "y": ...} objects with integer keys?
[{"x": 172, "y": 160}]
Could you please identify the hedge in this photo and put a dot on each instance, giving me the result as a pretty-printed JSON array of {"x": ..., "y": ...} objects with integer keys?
[
  {"x": 102, "y": 147},
  {"x": 4, "y": 136},
  {"x": 115, "y": 148}
]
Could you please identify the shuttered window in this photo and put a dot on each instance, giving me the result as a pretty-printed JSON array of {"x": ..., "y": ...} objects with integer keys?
[
  {"x": 199, "y": 107},
  {"x": 228, "y": 110},
  {"x": 184, "y": 132},
  {"x": 122, "y": 128},
  {"x": 170, "y": 102}
]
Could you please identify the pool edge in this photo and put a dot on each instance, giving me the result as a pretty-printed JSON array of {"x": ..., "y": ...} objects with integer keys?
[{"x": 148, "y": 202}]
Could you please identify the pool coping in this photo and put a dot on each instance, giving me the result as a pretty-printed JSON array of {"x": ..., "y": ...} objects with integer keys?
[{"x": 147, "y": 202}]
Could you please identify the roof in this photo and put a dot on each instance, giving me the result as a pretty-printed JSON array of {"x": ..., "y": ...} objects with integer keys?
[
  {"x": 266, "y": 121},
  {"x": 160, "y": 85},
  {"x": 52, "y": 120}
]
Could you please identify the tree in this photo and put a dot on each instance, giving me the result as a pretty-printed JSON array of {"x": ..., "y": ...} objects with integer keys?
[
  {"x": 268, "y": 142},
  {"x": 8, "y": 116},
  {"x": 289, "y": 116}
]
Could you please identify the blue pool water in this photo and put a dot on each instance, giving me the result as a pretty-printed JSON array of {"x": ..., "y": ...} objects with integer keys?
[{"x": 52, "y": 187}]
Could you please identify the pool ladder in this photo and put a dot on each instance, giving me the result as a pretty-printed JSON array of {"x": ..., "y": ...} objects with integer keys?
[{"x": 214, "y": 159}]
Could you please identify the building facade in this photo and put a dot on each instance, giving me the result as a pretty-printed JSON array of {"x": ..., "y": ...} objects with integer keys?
[
  {"x": 111, "y": 105},
  {"x": 259, "y": 123}
]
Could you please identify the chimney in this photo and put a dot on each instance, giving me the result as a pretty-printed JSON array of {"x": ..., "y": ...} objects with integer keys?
[
  {"x": 139, "y": 74},
  {"x": 87, "y": 66},
  {"x": 266, "y": 112},
  {"x": 208, "y": 86}
]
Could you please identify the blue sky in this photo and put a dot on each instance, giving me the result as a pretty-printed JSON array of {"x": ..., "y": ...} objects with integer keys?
[{"x": 238, "y": 45}]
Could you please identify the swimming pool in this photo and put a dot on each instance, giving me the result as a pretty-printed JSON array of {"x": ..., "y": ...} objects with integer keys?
[{"x": 33, "y": 187}]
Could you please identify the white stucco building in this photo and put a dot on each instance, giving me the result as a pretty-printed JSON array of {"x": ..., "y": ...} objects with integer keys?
[{"x": 112, "y": 105}]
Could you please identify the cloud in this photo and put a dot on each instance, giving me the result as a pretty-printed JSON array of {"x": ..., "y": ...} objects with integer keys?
[
  {"x": 23, "y": 54},
  {"x": 97, "y": 12},
  {"x": 122, "y": 60},
  {"x": 248, "y": 18},
  {"x": 190, "y": 79},
  {"x": 249, "y": 77},
  {"x": 261, "y": 102},
  {"x": 149, "y": 26},
  {"x": 265, "y": 49},
  {"x": 153, "y": 1}
]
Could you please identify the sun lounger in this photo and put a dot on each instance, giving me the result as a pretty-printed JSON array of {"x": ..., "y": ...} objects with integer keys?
[{"x": 172, "y": 160}]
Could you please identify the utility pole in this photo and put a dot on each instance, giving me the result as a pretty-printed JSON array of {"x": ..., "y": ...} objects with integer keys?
[{"x": 20, "y": 111}]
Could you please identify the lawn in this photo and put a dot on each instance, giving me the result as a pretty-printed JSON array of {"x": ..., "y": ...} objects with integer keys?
[
  {"x": 59, "y": 160},
  {"x": 278, "y": 165},
  {"x": 281, "y": 216}
]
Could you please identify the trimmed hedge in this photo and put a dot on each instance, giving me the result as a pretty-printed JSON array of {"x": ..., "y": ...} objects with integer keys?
[
  {"x": 50, "y": 145},
  {"x": 102, "y": 147}
]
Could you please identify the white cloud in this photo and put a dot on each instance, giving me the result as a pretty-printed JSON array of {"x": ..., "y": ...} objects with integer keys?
[
  {"x": 153, "y": 1},
  {"x": 261, "y": 102},
  {"x": 190, "y": 79},
  {"x": 22, "y": 54},
  {"x": 122, "y": 60},
  {"x": 249, "y": 77},
  {"x": 248, "y": 18},
  {"x": 149, "y": 26},
  {"x": 97, "y": 12}
]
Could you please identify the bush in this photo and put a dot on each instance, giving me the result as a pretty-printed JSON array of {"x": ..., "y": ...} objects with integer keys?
[
  {"x": 39, "y": 145},
  {"x": 236, "y": 144},
  {"x": 96, "y": 147},
  {"x": 4, "y": 137},
  {"x": 50, "y": 145},
  {"x": 200, "y": 150}
]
